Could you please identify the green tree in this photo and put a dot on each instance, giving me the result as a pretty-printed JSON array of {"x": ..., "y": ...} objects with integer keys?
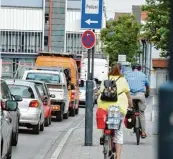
[
  {"x": 156, "y": 29},
  {"x": 120, "y": 37}
]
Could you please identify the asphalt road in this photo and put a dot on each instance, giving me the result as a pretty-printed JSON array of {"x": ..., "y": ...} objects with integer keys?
[{"x": 42, "y": 146}]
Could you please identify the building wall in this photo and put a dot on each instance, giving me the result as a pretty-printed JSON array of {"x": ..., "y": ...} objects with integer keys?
[
  {"x": 22, "y": 32},
  {"x": 21, "y": 19},
  {"x": 58, "y": 25},
  {"x": 23, "y": 3}
]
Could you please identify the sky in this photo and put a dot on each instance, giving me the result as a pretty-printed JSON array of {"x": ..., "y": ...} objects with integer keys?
[{"x": 120, "y": 6}]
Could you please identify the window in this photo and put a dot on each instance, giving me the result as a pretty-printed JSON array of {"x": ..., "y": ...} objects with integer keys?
[
  {"x": 46, "y": 18},
  {"x": 41, "y": 89},
  {"x": 46, "y": 77},
  {"x": 23, "y": 91},
  {"x": 25, "y": 42},
  {"x": 46, "y": 41}
]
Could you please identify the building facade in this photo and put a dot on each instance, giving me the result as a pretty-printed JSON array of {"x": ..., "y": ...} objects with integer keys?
[
  {"x": 55, "y": 18},
  {"x": 28, "y": 27},
  {"x": 22, "y": 32}
]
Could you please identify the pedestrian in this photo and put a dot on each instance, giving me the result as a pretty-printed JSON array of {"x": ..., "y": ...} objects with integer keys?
[{"x": 124, "y": 101}]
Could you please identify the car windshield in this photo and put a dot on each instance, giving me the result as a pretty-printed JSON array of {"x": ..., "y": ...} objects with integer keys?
[
  {"x": 40, "y": 89},
  {"x": 46, "y": 77},
  {"x": 23, "y": 91}
]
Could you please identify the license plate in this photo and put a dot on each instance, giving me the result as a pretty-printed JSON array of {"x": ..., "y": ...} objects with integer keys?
[
  {"x": 113, "y": 121},
  {"x": 56, "y": 107},
  {"x": 116, "y": 121}
]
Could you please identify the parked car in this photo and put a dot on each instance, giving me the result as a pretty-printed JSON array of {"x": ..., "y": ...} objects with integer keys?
[
  {"x": 6, "y": 126},
  {"x": 31, "y": 108},
  {"x": 82, "y": 94},
  {"x": 15, "y": 115},
  {"x": 57, "y": 85},
  {"x": 45, "y": 96}
]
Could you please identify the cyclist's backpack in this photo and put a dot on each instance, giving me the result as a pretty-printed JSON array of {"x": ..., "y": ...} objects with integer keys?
[{"x": 110, "y": 90}]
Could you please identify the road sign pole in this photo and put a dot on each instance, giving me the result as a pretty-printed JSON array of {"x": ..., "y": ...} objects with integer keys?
[
  {"x": 93, "y": 51},
  {"x": 89, "y": 107},
  {"x": 89, "y": 64},
  {"x": 165, "y": 139}
]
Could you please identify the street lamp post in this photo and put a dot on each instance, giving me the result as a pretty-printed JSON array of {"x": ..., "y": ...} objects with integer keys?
[{"x": 165, "y": 138}]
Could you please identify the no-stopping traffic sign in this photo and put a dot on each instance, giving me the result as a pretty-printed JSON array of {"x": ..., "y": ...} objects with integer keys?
[{"x": 88, "y": 39}]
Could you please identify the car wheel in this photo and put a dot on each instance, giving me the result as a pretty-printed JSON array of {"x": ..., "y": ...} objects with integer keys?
[
  {"x": 59, "y": 116},
  {"x": 9, "y": 150},
  {"x": 15, "y": 136},
  {"x": 66, "y": 115},
  {"x": 72, "y": 112},
  {"x": 36, "y": 128},
  {"x": 42, "y": 127},
  {"x": 77, "y": 111},
  {"x": 46, "y": 121}
]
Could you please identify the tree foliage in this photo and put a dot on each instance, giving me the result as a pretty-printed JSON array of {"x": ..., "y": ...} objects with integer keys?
[
  {"x": 120, "y": 37},
  {"x": 156, "y": 29}
]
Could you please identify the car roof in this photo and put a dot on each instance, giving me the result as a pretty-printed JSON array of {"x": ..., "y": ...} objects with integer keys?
[
  {"x": 20, "y": 82},
  {"x": 50, "y": 68},
  {"x": 42, "y": 71},
  {"x": 37, "y": 81}
]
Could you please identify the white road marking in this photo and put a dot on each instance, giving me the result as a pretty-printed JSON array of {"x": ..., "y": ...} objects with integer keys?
[{"x": 58, "y": 150}]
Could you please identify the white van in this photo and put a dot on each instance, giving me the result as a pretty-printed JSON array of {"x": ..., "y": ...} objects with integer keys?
[
  {"x": 57, "y": 84},
  {"x": 101, "y": 68}
]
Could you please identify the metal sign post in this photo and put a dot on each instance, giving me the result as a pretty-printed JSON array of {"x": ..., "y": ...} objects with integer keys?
[
  {"x": 91, "y": 18},
  {"x": 165, "y": 139},
  {"x": 88, "y": 41}
]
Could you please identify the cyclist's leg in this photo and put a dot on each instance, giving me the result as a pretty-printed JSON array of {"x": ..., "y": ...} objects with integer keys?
[
  {"x": 142, "y": 107},
  {"x": 118, "y": 139}
]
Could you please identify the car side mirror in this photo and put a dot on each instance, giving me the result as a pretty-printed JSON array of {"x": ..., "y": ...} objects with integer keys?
[
  {"x": 17, "y": 98},
  {"x": 52, "y": 96},
  {"x": 11, "y": 105}
]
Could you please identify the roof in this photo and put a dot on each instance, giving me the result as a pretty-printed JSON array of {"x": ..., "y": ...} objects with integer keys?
[
  {"x": 144, "y": 15},
  {"x": 119, "y": 14},
  {"x": 160, "y": 63}
]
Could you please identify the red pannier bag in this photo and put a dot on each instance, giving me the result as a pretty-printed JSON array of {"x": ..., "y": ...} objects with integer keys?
[{"x": 101, "y": 118}]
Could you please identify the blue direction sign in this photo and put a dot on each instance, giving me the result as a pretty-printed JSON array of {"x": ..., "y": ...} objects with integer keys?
[{"x": 91, "y": 14}]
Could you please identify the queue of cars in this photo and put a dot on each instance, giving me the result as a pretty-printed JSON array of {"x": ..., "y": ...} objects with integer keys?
[{"x": 49, "y": 90}]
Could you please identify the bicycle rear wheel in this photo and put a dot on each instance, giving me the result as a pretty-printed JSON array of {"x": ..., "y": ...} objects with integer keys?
[{"x": 137, "y": 135}]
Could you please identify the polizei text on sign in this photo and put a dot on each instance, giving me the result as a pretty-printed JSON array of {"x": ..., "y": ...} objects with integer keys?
[{"x": 92, "y": 7}]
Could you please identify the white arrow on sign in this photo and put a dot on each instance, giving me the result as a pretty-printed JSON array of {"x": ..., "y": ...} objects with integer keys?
[{"x": 89, "y": 21}]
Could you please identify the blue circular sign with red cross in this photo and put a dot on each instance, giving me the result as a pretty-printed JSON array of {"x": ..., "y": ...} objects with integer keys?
[{"x": 88, "y": 39}]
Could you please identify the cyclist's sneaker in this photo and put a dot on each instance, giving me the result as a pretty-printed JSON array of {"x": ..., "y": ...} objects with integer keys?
[{"x": 101, "y": 140}]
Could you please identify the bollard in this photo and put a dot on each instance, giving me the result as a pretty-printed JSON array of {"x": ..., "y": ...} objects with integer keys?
[
  {"x": 89, "y": 114},
  {"x": 165, "y": 138}
]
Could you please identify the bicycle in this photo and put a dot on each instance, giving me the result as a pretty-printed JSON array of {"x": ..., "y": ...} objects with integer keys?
[
  {"x": 137, "y": 126},
  {"x": 113, "y": 122}
]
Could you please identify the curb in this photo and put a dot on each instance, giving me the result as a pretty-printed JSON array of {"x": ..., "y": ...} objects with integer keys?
[{"x": 58, "y": 150}]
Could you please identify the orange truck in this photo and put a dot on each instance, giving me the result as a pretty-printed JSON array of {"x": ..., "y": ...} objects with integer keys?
[{"x": 67, "y": 62}]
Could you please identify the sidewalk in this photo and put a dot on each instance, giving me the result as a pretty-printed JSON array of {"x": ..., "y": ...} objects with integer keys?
[{"x": 75, "y": 149}]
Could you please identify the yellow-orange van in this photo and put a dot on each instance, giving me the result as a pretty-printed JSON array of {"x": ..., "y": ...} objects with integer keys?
[{"x": 66, "y": 62}]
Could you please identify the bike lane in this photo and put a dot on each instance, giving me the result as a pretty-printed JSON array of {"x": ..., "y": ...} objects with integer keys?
[{"x": 74, "y": 147}]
